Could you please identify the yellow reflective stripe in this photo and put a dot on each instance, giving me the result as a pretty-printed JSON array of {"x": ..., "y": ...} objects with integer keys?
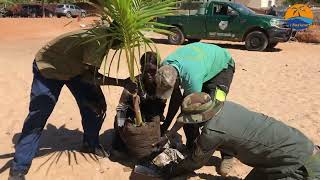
[{"x": 220, "y": 95}]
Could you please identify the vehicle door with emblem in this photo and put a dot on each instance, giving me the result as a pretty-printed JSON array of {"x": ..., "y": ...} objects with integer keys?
[
  {"x": 223, "y": 22},
  {"x": 194, "y": 27}
]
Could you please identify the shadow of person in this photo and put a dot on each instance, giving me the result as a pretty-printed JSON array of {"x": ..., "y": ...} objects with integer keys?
[
  {"x": 124, "y": 159},
  {"x": 215, "y": 177},
  {"x": 106, "y": 138},
  {"x": 54, "y": 142},
  {"x": 187, "y": 175}
]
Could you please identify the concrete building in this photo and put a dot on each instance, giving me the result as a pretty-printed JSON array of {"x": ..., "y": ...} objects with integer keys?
[{"x": 257, "y": 3}]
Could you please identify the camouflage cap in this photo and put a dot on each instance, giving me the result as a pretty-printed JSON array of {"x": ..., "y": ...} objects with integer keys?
[
  {"x": 198, "y": 108},
  {"x": 165, "y": 80}
]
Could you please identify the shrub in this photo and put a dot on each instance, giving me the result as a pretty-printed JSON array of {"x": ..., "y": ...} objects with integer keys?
[{"x": 311, "y": 35}]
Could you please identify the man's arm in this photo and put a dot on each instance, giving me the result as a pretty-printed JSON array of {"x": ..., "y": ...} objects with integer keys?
[
  {"x": 174, "y": 105},
  {"x": 204, "y": 147},
  {"x": 92, "y": 76},
  {"x": 165, "y": 137}
]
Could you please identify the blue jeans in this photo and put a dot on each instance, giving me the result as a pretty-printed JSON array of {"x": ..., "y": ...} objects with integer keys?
[{"x": 44, "y": 96}]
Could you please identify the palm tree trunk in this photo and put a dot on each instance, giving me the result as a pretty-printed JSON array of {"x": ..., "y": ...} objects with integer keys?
[{"x": 137, "y": 111}]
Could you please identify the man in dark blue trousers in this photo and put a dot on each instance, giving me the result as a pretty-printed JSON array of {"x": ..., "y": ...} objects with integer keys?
[{"x": 68, "y": 61}]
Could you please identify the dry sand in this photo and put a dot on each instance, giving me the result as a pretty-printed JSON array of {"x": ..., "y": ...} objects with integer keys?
[{"x": 284, "y": 84}]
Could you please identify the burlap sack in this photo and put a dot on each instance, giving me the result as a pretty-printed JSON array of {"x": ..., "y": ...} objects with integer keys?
[{"x": 139, "y": 140}]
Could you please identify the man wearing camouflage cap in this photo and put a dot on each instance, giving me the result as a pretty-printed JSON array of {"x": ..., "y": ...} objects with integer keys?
[
  {"x": 274, "y": 150},
  {"x": 196, "y": 67}
]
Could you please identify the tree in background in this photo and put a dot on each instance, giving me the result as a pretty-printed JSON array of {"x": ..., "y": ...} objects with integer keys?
[
  {"x": 42, "y": 2},
  {"x": 301, "y": 1}
]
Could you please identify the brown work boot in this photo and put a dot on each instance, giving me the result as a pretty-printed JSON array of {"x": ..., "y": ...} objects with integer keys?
[{"x": 226, "y": 166}]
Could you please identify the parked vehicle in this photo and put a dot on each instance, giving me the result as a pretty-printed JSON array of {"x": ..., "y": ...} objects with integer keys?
[
  {"x": 231, "y": 22},
  {"x": 3, "y": 11},
  {"x": 34, "y": 10},
  {"x": 69, "y": 11}
]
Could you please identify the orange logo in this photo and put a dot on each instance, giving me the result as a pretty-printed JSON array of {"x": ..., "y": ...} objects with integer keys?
[{"x": 299, "y": 16}]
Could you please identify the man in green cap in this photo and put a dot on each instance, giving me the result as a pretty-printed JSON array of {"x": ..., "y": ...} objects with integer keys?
[
  {"x": 274, "y": 150},
  {"x": 71, "y": 59},
  {"x": 196, "y": 67}
]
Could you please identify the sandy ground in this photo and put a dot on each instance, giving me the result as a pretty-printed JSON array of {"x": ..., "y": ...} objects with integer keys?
[{"x": 284, "y": 84}]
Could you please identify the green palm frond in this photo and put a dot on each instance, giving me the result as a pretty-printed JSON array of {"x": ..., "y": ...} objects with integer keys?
[
  {"x": 6, "y": 2},
  {"x": 298, "y": 10},
  {"x": 132, "y": 18},
  {"x": 129, "y": 19}
]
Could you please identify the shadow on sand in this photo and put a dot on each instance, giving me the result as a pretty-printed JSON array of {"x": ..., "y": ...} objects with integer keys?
[{"x": 56, "y": 142}]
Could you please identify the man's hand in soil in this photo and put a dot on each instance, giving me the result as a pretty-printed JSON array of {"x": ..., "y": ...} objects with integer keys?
[{"x": 163, "y": 140}]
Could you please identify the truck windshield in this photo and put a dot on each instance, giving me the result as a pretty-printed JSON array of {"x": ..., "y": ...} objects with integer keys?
[{"x": 243, "y": 9}]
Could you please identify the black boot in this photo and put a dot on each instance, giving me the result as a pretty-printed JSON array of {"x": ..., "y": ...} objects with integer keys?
[
  {"x": 97, "y": 150},
  {"x": 16, "y": 175}
]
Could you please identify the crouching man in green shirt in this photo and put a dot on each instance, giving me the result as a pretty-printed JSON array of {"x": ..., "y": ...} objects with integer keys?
[
  {"x": 70, "y": 60},
  {"x": 196, "y": 67},
  {"x": 274, "y": 150}
]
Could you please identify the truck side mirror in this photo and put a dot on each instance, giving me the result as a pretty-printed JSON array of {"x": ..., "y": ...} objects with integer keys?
[{"x": 233, "y": 13}]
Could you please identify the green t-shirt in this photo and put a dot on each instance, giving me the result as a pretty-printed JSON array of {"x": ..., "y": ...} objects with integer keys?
[
  {"x": 67, "y": 55},
  {"x": 197, "y": 63}
]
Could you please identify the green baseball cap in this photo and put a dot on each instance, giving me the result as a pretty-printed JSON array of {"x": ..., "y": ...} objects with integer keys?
[{"x": 198, "y": 108}]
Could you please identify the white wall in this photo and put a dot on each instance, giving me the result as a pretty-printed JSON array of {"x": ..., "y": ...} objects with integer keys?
[
  {"x": 254, "y": 3},
  {"x": 265, "y": 3},
  {"x": 257, "y": 3}
]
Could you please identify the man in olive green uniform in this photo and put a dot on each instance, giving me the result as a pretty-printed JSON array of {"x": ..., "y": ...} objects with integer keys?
[
  {"x": 69, "y": 60},
  {"x": 273, "y": 149}
]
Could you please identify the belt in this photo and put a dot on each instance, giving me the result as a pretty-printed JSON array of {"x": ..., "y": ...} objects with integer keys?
[{"x": 316, "y": 150}]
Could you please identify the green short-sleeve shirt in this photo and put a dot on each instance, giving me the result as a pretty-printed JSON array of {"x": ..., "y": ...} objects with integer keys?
[
  {"x": 65, "y": 57},
  {"x": 197, "y": 63}
]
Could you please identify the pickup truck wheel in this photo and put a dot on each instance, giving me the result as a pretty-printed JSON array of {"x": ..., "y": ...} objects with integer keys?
[
  {"x": 256, "y": 41},
  {"x": 193, "y": 40},
  {"x": 177, "y": 38},
  {"x": 272, "y": 45}
]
